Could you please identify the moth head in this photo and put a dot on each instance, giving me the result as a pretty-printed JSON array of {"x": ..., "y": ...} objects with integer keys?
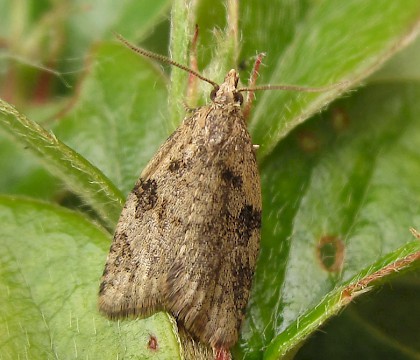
[{"x": 227, "y": 91}]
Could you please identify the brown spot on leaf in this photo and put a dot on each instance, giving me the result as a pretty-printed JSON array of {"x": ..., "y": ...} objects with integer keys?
[
  {"x": 330, "y": 251},
  {"x": 153, "y": 343},
  {"x": 308, "y": 142},
  {"x": 339, "y": 119}
]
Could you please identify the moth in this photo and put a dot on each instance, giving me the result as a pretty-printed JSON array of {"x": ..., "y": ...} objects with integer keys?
[{"x": 188, "y": 237}]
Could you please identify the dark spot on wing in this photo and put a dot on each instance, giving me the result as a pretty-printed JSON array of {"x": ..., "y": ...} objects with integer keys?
[
  {"x": 174, "y": 165},
  {"x": 121, "y": 248},
  {"x": 248, "y": 221},
  {"x": 105, "y": 271},
  {"x": 146, "y": 193},
  {"x": 162, "y": 211},
  {"x": 230, "y": 178},
  {"x": 102, "y": 287}
]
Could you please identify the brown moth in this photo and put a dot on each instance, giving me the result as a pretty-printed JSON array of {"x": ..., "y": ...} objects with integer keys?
[{"x": 188, "y": 236}]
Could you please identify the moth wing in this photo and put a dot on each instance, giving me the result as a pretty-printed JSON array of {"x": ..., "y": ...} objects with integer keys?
[
  {"x": 209, "y": 281},
  {"x": 188, "y": 236},
  {"x": 132, "y": 281}
]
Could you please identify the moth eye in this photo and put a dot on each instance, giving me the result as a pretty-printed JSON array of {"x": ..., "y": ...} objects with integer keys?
[
  {"x": 238, "y": 97},
  {"x": 213, "y": 93}
]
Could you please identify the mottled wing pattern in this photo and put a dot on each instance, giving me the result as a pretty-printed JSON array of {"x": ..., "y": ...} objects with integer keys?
[
  {"x": 188, "y": 236},
  {"x": 224, "y": 221},
  {"x": 135, "y": 268}
]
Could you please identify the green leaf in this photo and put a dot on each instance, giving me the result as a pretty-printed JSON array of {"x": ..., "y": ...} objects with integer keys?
[
  {"x": 45, "y": 45},
  {"x": 28, "y": 24},
  {"x": 288, "y": 341},
  {"x": 28, "y": 178},
  {"x": 119, "y": 119},
  {"x": 181, "y": 24},
  {"x": 51, "y": 264},
  {"x": 380, "y": 326},
  {"x": 340, "y": 192},
  {"x": 133, "y": 18},
  {"x": 350, "y": 176},
  {"x": 334, "y": 42},
  {"x": 61, "y": 160},
  {"x": 402, "y": 67}
]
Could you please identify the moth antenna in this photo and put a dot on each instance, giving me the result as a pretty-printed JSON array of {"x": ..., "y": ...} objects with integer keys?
[
  {"x": 163, "y": 59},
  {"x": 295, "y": 88}
]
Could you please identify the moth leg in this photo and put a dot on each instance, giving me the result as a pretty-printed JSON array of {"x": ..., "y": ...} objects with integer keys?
[
  {"x": 192, "y": 89},
  {"x": 252, "y": 81}
]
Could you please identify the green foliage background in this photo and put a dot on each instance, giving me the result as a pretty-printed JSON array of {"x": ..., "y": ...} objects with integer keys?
[{"x": 81, "y": 116}]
